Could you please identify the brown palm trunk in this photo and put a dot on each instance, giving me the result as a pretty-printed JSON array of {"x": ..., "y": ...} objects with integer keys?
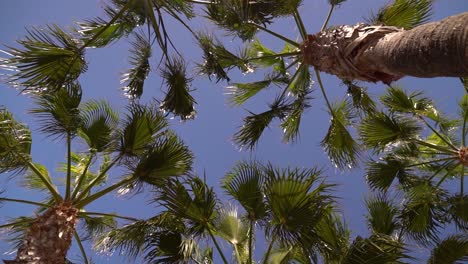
[
  {"x": 383, "y": 53},
  {"x": 49, "y": 237}
]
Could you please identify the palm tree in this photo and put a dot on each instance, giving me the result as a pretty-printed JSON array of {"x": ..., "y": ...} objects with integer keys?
[{"x": 140, "y": 148}]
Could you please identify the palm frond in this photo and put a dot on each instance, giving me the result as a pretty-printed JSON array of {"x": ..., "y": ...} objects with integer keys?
[
  {"x": 382, "y": 218},
  {"x": 245, "y": 182},
  {"x": 301, "y": 82},
  {"x": 16, "y": 229},
  {"x": 452, "y": 250},
  {"x": 241, "y": 92},
  {"x": 380, "y": 130},
  {"x": 58, "y": 113},
  {"x": 229, "y": 226},
  {"x": 48, "y": 59},
  {"x": 96, "y": 226},
  {"x": 335, "y": 2},
  {"x": 15, "y": 143},
  {"x": 381, "y": 174},
  {"x": 464, "y": 81},
  {"x": 463, "y": 112},
  {"x": 178, "y": 99},
  {"x": 403, "y": 13},
  {"x": 360, "y": 98},
  {"x": 340, "y": 146},
  {"x": 88, "y": 29},
  {"x": 134, "y": 78},
  {"x": 334, "y": 238},
  {"x": 262, "y": 56},
  {"x": 218, "y": 60},
  {"x": 292, "y": 121},
  {"x": 459, "y": 210},
  {"x": 32, "y": 181},
  {"x": 397, "y": 100},
  {"x": 99, "y": 124},
  {"x": 165, "y": 247}
]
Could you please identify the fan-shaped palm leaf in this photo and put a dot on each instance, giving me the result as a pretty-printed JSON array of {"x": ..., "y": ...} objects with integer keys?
[
  {"x": 105, "y": 33},
  {"x": 99, "y": 123},
  {"x": 382, "y": 215},
  {"x": 48, "y": 59},
  {"x": 360, "y": 98},
  {"x": 452, "y": 250},
  {"x": 59, "y": 112},
  {"x": 293, "y": 120},
  {"x": 178, "y": 99},
  {"x": 403, "y": 13},
  {"x": 459, "y": 210},
  {"x": 95, "y": 226},
  {"x": 333, "y": 238},
  {"x": 381, "y": 174}
]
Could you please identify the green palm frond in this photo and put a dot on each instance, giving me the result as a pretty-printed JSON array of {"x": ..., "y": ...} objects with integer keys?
[
  {"x": 334, "y": 238},
  {"x": 289, "y": 254},
  {"x": 463, "y": 112},
  {"x": 360, "y": 98},
  {"x": 245, "y": 182},
  {"x": 195, "y": 204},
  {"x": 241, "y": 92},
  {"x": 459, "y": 210},
  {"x": 88, "y": 29},
  {"x": 340, "y": 146},
  {"x": 292, "y": 121},
  {"x": 382, "y": 218},
  {"x": 16, "y": 229},
  {"x": 139, "y": 129},
  {"x": 335, "y": 2},
  {"x": 381, "y": 174},
  {"x": 48, "y": 58},
  {"x": 464, "y": 81},
  {"x": 452, "y": 250},
  {"x": 32, "y": 181},
  {"x": 134, "y": 78},
  {"x": 178, "y": 99},
  {"x": 296, "y": 208},
  {"x": 375, "y": 249},
  {"x": 95, "y": 226},
  {"x": 262, "y": 56},
  {"x": 217, "y": 59},
  {"x": 99, "y": 124},
  {"x": 301, "y": 82},
  {"x": 380, "y": 130},
  {"x": 167, "y": 157},
  {"x": 403, "y": 13},
  {"x": 165, "y": 247},
  {"x": 58, "y": 113},
  {"x": 15, "y": 143}
]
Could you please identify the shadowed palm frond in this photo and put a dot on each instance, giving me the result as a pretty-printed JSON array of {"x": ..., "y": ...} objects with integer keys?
[
  {"x": 340, "y": 146},
  {"x": 217, "y": 59},
  {"x": 463, "y": 112},
  {"x": 452, "y": 250},
  {"x": 178, "y": 99},
  {"x": 382, "y": 218},
  {"x": 58, "y": 113},
  {"x": 15, "y": 144},
  {"x": 334, "y": 238},
  {"x": 241, "y": 92},
  {"x": 165, "y": 247},
  {"x": 360, "y": 98},
  {"x": 459, "y": 211},
  {"x": 99, "y": 124},
  {"x": 403, "y": 13},
  {"x": 16, "y": 229},
  {"x": 292, "y": 121},
  {"x": 96, "y": 226},
  {"x": 32, "y": 181},
  {"x": 48, "y": 59},
  {"x": 134, "y": 78},
  {"x": 381, "y": 174}
]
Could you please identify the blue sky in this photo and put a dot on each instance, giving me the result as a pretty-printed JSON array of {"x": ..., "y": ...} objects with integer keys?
[{"x": 209, "y": 135}]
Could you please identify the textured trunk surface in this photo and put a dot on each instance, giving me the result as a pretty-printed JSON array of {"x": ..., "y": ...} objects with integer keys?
[
  {"x": 49, "y": 237},
  {"x": 383, "y": 53}
]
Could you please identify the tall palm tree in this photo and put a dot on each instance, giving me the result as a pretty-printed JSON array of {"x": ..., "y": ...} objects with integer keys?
[{"x": 138, "y": 150}]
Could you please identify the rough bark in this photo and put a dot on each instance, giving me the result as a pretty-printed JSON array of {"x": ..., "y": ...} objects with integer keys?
[
  {"x": 384, "y": 53},
  {"x": 49, "y": 237}
]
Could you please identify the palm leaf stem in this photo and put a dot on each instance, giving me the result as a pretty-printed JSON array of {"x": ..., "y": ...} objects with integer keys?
[
  {"x": 300, "y": 24},
  {"x": 270, "y": 246},
  {"x": 217, "y": 246},
  {"x": 328, "y": 18},
  {"x": 464, "y": 130},
  {"x": 200, "y": 2},
  {"x": 289, "y": 84},
  {"x": 92, "y": 198},
  {"x": 25, "y": 202},
  {"x": 295, "y": 44},
  {"x": 431, "y": 161},
  {"x": 443, "y": 178},
  {"x": 98, "y": 178},
  {"x": 68, "y": 184},
  {"x": 440, "y": 169},
  {"x": 82, "y": 178},
  {"x": 429, "y": 145},
  {"x": 46, "y": 182},
  {"x": 154, "y": 23},
  {"x": 236, "y": 250},
  {"x": 194, "y": 260},
  {"x": 322, "y": 89},
  {"x": 286, "y": 54},
  {"x": 251, "y": 225},
  {"x": 80, "y": 245},
  {"x": 112, "y": 215},
  {"x": 24, "y": 221},
  {"x": 174, "y": 15},
  {"x": 462, "y": 176},
  {"x": 437, "y": 133}
]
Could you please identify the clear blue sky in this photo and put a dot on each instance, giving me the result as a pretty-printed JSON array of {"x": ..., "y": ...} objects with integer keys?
[{"x": 209, "y": 135}]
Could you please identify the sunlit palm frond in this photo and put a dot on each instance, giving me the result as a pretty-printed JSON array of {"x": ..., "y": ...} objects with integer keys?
[
  {"x": 340, "y": 146},
  {"x": 452, "y": 250},
  {"x": 245, "y": 182},
  {"x": 47, "y": 59},
  {"x": 167, "y": 157},
  {"x": 301, "y": 82},
  {"x": 398, "y": 100},
  {"x": 375, "y": 249},
  {"x": 134, "y": 78},
  {"x": 262, "y": 56},
  {"x": 403, "y": 13},
  {"x": 382, "y": 217},
  {"x": 217, "y": 59},
  {"x": 292, "y": 121},
  {"x": 289, "y": 254},
  {"x": 139, "y": 129},
  {"x": 32, "y": 181},
  {"x": 241, "y": 92},
  {"x": 334, "y": 238},
  {"x": 91, "y": 27},
  {"x": 360, "y": 98},
  {"x": 463, "y": 112},
  {"x": 15, "y": 143},
  {"x": 99, "y": 124},
  {"x": 380, "y": 130},
  {"x": 178, "y": 99},
  {"x": 58, "y": 113}
]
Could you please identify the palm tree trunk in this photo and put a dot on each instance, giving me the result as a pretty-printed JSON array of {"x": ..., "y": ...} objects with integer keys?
[
  {"x": 384, "y": 53},
  {"x": 49, "y": 237}
]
